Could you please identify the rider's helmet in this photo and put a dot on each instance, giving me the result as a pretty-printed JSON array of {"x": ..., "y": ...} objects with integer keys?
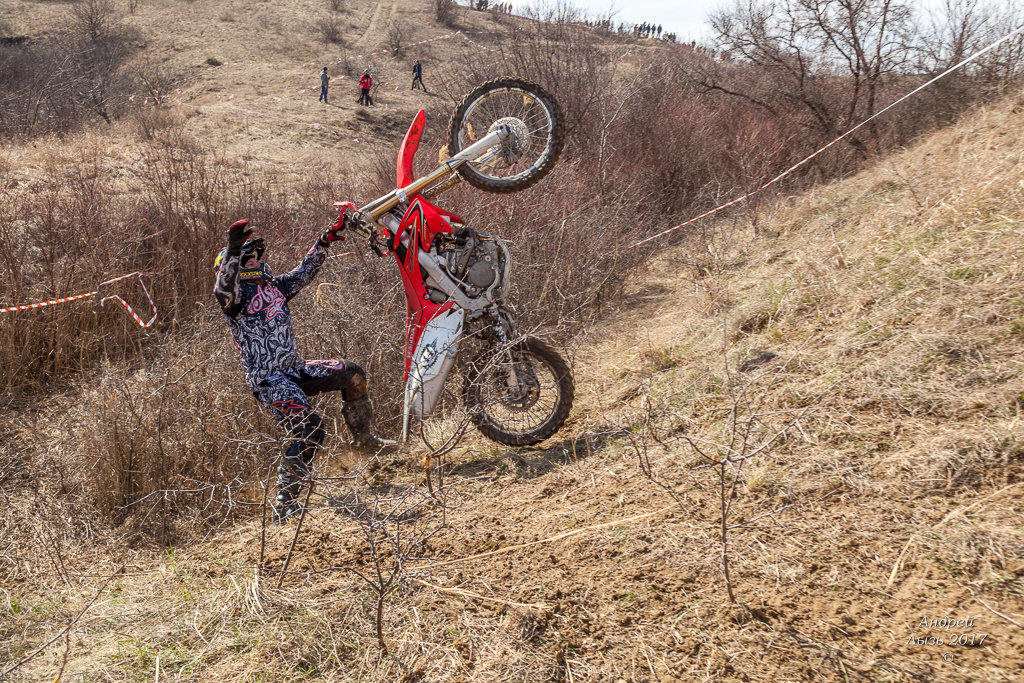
[{"x": 253, "y": 247}]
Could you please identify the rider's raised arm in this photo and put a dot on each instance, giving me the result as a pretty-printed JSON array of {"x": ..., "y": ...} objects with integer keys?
[
  {"x": 226, "y": 289},
  {"x": 301, "y": 275}
]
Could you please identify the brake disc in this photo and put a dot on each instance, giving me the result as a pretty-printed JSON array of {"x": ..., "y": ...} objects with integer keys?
[{"x": 515, "y": 145}]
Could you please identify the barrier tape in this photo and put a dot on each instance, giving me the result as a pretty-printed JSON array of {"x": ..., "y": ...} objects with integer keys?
[
  {"x": 289, "y": 96},
  {"x": 169, "y": 97},
  {"x": 124, "y": 303},
  {"x": 166, "y": 97},
  {"x": 797, "y": 165}
]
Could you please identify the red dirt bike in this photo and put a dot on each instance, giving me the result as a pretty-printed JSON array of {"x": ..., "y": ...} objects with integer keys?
[{"x": 503, "y": 137}]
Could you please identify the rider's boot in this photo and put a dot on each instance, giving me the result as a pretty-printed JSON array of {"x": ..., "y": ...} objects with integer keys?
[
  {"x": 359, "y": 418},
  {"x": 285, "y": 505},
  {"x": 293, "y": 470}
]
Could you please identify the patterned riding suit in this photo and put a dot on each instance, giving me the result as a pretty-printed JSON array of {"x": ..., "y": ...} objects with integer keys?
[{"x": 255, "y": 306}]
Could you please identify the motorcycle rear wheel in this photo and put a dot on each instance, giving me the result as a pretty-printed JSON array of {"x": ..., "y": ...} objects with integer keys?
[
  {"x": 531, "y": 411},
  {"x": 526, "y": 158}
]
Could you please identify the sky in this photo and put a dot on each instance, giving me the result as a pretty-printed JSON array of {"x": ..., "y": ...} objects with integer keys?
[{"x": 687, "y": 18}]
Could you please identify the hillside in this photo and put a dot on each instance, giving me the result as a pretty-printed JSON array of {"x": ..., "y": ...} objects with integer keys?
[
  {"x": 248, "y": 76},
  {"x": 852, "y": 351},
  {"x": 885, "y": 310}
]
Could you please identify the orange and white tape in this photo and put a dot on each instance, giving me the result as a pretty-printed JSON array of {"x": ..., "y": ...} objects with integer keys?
[
  {"x": 175, "y": 98},
  {"x": 51, "y": 302}
]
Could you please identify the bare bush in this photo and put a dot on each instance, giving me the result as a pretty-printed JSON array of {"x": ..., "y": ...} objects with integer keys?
[
  {"x": 384, "y": 515},
  {"x": 445, "y": 12},
  {"x": 337, "y": 5},
  {"x": 157, "y": 80},
  {"x": 170, "y": 475},
  {"x": 396, "y": 38},
  {"x": 329, "y": 26},
  {"x": 99, "y": 43},
  {"x": 736, "y": 438},
  {"x": 55, "y": 83}
]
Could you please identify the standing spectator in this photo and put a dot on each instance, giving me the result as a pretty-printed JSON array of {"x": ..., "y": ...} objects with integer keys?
[
  {"x": 365, "y": 83},
  {"x": 417, "y": 76},
  {"x": 658, "y": 30},
  {"x": 324, "y": 81}
]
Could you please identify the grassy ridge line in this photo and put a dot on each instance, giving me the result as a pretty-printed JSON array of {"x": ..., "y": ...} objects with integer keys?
[{"x": 905, "y": 281}]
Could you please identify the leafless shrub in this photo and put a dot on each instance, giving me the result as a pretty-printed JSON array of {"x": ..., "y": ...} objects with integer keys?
[
  {"x": 152, "y": 122},
  {"x": 147, "y": 464},
  {"x": 55, "y": 83},
  {"x": 739, "y": 427},
  {"x": 329, "y": 26},
  {"x": 156, "y": 79},
  {"x": 337, "y": 5},
  {"x": 445, "y": 12},
  {"x": 396, "y": 38},
  {"x": 384, "y": 517},
  {"x": 100, "y": 44}
]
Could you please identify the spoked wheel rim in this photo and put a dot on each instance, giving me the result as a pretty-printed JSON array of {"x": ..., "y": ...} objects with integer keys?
[
  {"x": 529, "y": 116},
  {"x": 511, "y": 402}
]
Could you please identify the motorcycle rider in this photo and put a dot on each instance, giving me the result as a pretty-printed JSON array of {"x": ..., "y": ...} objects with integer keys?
[{"x": 255, "y": 307}]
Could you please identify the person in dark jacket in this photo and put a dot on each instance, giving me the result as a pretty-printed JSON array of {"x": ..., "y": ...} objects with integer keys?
[
  {"x": 417, "y": 76},
  {"x": 365, "y": 83},
  {"x": 255, "y": 307},
  {"x": 324, "y": 82}
]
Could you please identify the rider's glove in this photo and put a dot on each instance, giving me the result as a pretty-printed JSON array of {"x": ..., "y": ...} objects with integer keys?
[
  {"x": 333, "y": 233},
  {"x": 237, "y": 235}
]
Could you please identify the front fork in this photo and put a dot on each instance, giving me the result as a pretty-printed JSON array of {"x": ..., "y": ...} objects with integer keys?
[{"x": 504, "y": 332}]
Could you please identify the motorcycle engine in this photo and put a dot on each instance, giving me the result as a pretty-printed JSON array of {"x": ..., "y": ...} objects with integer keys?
[{"x": 478, "y": 261}]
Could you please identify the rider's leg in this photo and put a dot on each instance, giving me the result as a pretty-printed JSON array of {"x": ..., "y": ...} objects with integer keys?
[
  {"x": 357, "y": 409},
  {"x": 305, "y": 434}
]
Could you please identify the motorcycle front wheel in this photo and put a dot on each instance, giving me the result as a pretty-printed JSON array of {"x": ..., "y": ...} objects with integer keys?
[
  {"x": 536, "y": 133},
  {"x": 521, "y": 394}
]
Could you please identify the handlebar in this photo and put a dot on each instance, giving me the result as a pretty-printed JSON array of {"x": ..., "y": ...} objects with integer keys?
[{"x": 483, "y": 151}]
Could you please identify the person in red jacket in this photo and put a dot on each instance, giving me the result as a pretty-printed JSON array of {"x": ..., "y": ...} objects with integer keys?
[{"x": 365, "y": 83}]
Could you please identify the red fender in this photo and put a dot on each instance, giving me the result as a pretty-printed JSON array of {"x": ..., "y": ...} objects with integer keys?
[{"x": 408, "y": 150}]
